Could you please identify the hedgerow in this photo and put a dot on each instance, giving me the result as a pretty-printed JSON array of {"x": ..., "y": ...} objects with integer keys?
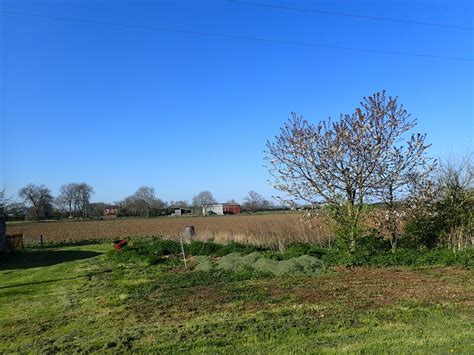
[{"x": 371, "y": 251}]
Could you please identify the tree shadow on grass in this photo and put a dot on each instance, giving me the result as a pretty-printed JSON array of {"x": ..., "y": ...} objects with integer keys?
[
  {"x": 40, "y": 282},
  {"x": 36, "y": 258}
]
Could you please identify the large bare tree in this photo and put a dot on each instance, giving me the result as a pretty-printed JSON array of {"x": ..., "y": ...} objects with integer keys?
[
  {"x": 254, "y": 202},
  {"x": 68, "y": 198},
  {"x": 343, "y": 163},
  {"x": 142, "y": 202},
  {"x": 39, "y": 198},
  {"x": 204, "y": 199},
  {"x": 85, "y": 193},
  {"x": 147, "y": 199},
  {"x": 75, "y": 198}
]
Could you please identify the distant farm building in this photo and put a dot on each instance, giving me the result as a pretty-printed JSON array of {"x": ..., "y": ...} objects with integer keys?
[
  {"x": 221, "y": 209},
  {"x": 181, "y": 212},
  {"x": 231, "y": 208},
  {"x": 110, "y": 212}
]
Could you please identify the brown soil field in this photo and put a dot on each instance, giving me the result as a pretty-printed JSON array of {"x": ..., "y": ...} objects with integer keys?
[{"x": 275, "y": 229}]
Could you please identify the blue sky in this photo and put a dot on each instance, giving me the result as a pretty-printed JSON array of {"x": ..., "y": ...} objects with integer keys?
[{"x": 121, "y": 107}]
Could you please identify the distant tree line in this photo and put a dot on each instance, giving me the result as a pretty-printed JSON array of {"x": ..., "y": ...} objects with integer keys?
[{"x": 74, "y": 202}]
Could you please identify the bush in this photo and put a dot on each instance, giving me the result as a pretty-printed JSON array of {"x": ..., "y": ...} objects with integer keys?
[
  {"x": 403, "y": 257},
  {"x": 149, "y": 251},
  {"x": 213, "y": 249},
  {"x": 299, "y": 249},
  {"x": 368, "y": 248},
  {"x": 422, "y": 232},
  {"x": 202, "y": 248},
  {"x": 233, "y": 247}
]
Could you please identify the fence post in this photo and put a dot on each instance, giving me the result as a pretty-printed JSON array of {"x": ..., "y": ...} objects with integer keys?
[
  {"x": 189, "y": 232},
  {"x": 182, "y": 250},
  {"x": 41, "y": 239}
]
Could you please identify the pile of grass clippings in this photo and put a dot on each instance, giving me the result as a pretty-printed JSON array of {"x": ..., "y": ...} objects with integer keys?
[{"x": 236, "y": 262}]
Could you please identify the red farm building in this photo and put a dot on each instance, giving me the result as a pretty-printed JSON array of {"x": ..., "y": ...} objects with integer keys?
[{"x": 231, "y": 208}]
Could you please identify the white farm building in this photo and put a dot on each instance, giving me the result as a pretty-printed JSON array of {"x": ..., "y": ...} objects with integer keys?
[{"x": 217, "y": 209}]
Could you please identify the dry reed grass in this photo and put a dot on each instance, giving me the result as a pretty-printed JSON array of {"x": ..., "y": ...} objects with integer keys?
[{"x": 276, "y": 230}]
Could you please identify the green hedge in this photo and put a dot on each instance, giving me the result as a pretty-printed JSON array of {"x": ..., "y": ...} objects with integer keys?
[
  {"x": 371, "y": 251},
  {"x": 376, "y": 251}
]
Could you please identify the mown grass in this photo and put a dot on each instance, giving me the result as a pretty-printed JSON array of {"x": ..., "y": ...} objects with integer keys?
[{"x": 75, "y": 299}]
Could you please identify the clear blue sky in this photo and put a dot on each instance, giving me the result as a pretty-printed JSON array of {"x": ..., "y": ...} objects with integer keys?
[{"x": 120, "y": 107}]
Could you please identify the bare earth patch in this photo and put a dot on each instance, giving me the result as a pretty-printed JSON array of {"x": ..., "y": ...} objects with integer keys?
[
  {"x": 373, "y": 288},
  {"x": 352, "y": 289}
]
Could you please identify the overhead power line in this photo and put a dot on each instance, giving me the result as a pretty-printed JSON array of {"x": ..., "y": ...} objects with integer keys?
[
  {"x": 345, "y": 14},
  {"x": 230, "y": 36}
]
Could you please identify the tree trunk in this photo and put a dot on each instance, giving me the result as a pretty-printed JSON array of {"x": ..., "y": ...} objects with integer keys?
[
  {"x": 352, "y": 224},
  {"x": 392, "y": 221},
  {"x": 353, "y": 244},
  {"x": 393, "y": 242}
]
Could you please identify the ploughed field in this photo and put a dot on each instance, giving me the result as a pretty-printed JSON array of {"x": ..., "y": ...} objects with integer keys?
[{"x": 255, "y": 229}]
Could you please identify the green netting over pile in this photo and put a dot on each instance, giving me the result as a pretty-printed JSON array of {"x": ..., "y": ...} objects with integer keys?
[{"x": 235, "y": 262}]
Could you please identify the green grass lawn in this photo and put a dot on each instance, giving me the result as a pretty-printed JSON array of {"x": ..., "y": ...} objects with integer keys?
[{"x": 77, "y": 299}]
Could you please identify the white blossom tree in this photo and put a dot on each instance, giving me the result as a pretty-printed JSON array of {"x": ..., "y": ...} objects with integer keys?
[
  {"x": 346, "y": 163},
  {"x": 405, "y": 177}
]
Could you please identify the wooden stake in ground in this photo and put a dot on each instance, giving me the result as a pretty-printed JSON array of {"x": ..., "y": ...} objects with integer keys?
[
  {"x": 189, "y": 233},
  {"x": 182, "y": 250}
]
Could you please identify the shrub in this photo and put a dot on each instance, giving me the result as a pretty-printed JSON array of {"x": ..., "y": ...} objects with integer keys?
[
  {"x": 149, "y": 251},
  {"x": 422, "y": 232},
  {"x": 202, "y": 248},
  {"x": 403, "y": 257},
  {"x": 299, "y": 249},
  {"x": 238, "y": 248}
]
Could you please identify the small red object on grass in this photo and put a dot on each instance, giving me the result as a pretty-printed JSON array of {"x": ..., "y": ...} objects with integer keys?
[{"x": 118, "y": 244}]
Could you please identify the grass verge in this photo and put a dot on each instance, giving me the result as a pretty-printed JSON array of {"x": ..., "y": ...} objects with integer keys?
[{"x": 75, "y": 299}]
